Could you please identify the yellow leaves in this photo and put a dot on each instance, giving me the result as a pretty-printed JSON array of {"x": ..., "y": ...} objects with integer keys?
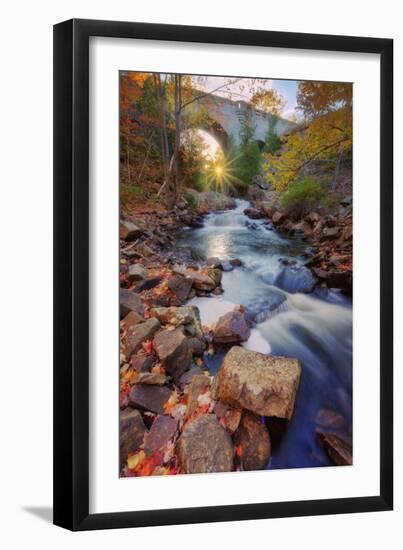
[
  {"x": 170, "y": 404},
  {"x": 324, "y": 137},
  {"x": 134, "y": 460}
]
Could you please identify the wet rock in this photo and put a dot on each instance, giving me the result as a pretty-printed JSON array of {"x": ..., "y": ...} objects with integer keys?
[
  {"x": 236, "y": 262},
  {"x": 163, "y": 430},
  {"x": 129, "y": 301},
  {"x": 148, "y": 284},
  {"x": 254, "y": 213},
  {"x": 253, "y": 441},
  {"x": 131, "y": 433},
  {"x": 181, "y": 286},
  {"x": 231, "y": 328},
  {"x": 216, "y": 275},
  {"x": 338, "y": 449},
  {"x": 199, "y": 384},
  {"x": 214, "y": 263},
  {"x": 129, "y": 231},
  {"x": 205, "y": 447},
  {"x": 149, "y": 397},
  {"x": 151, "y": 378},
  {"x": 226, "y": 266},
  {"x": 173, "y": 350},
  {"x": 262, "y": 384},
  {"x": 186, "y": 316},
  {"x": 342, "y": 280},
  {"x": 137, "y": 334},
  {"x": 142, "y": 362},
  {"x": 136, "y": 272},
  {"x": 201, "y": 281},
  {"x": 330, "y": 419},
  {"x": 197, "y": 346},
  {"x": 295, "y": 279}
]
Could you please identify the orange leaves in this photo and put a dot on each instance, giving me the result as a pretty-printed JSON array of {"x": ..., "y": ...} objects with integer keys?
[
  {"x": 158, "y": 463},
  {"x": 171, "y": 403},
  {"x": 238, "y": 451}
]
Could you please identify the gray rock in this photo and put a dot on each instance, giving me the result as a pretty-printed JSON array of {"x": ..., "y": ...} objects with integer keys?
[
  {"x": 151, "y": 378},
  {"x": 147, "y": 284},
  {"x": 136, "y": 272},
  {"x": 181, "y": 286},
  {"x": 137, "y": 334},
  {"x": 131, "y": 433},
  {"x": 173, "y": 350},
  {"x": 186, "y": 316},
  {"x": 149, "y": 397},
  {"x": 142, "y": 362},
  {"x": 231, "y": 328},
  {"x": 330, "y": 233},
  {"x": 130, "y": 301},
  {"x": 295, "y": 279},
  {"x": 205, "y": 447},
  {"x": 161, "y": 432},
  {"x": 129, "y": 231}
]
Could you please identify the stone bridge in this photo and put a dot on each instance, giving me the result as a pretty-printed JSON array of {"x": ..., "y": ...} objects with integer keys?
[{"x": 225, "y": 118}]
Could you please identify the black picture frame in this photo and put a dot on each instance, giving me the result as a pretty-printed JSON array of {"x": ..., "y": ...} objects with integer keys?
[{"x": 71, "y": 274}]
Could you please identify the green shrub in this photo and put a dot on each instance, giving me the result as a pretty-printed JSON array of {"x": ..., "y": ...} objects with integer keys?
[
  {"x": 247, "y": 162},
  {"x": 302, "y": 196},
  {"x": 273, "y": 144},
  {"x": 191, "y": 200}
]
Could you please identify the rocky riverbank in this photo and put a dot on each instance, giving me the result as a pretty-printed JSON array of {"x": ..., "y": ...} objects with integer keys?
[
  {"x": 330, "y": 236},
  {"x": 175, "y": 416}
]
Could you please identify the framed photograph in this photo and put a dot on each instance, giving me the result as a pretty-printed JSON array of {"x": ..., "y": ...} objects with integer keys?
[{"x": 223, "y": 320}]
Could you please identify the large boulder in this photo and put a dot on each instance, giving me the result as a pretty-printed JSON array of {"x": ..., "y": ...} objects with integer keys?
[
  {"x": 210, "y": 201},
  {"x": 254, "y": 213},
  {"x": 131, "y": 433},
  {"x": 295, "y": 279},
  {"x": 130, "y": 301},
  {"x": 201, "y": 281},
  {"x": 137, "y": 334},
  {"x": 253, "y": 442},
  {"x": 149, "y": 397},
  {"x": 205, "y": 447},
  {"x": 128, "y": 231},
  {"x": 186, "y": 316},
  {"x": 265, "y": 385},
  {"x": 173, "y": 350},
  {"x": 231, "y": 328}
]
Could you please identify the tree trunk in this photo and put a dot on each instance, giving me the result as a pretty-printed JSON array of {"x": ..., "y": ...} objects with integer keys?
[
  {"x": 128, "y": 159},
  {"x": 178, "y": 110},
  {"x": 336, "y": 171},
  {"x": 166, "y": 186}
]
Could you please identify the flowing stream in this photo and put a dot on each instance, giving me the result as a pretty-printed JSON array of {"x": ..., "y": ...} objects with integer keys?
[{"x": 315, "y": 327}]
